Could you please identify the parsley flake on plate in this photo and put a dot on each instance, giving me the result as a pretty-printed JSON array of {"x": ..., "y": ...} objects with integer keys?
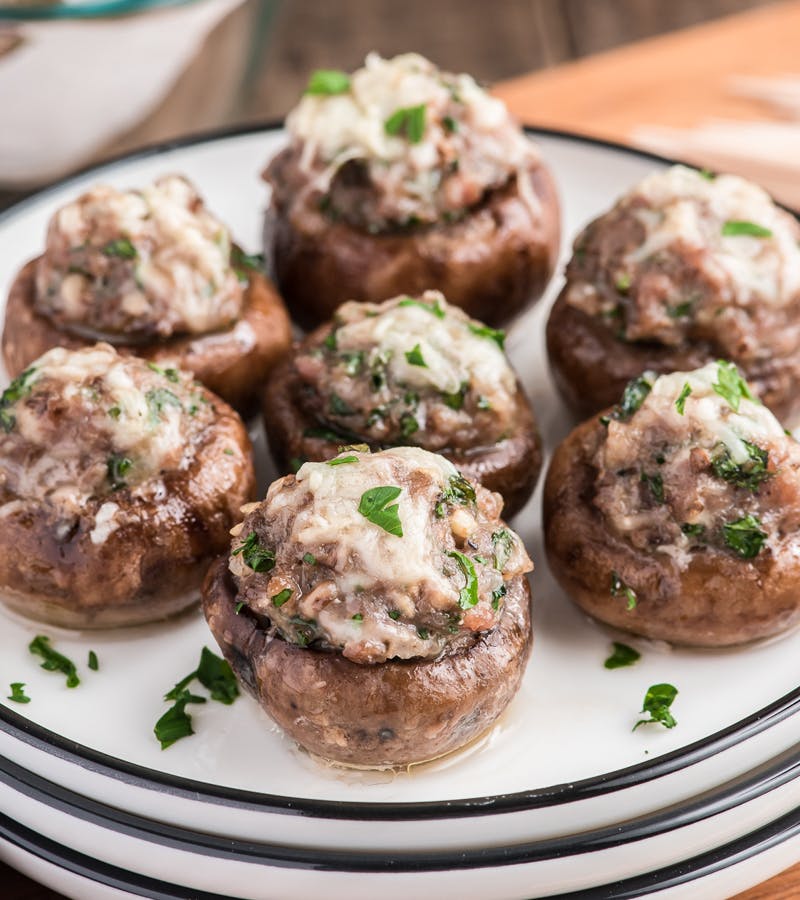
[
  {"x": 53, "y": 661},
  {"x": 657, "y": 703},
  {"x": 622, "y": 656}
]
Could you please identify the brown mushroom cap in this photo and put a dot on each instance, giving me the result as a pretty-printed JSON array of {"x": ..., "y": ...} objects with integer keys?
[
  {"x": 492, "y": 263},
  {"x": 233, "y": 363},
  {"x": 390, "y": 714}
]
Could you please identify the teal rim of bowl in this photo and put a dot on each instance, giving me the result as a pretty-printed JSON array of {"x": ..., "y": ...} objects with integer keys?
[{"x": 104, "y": 9}]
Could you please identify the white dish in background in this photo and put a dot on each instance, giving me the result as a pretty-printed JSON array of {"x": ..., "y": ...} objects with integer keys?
[{"x": 563, "y": 757}]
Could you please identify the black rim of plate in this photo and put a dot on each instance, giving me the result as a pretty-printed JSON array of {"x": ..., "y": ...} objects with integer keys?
[
  {"x": 745, "y": 789},
  {"x": 54, "y": 744},
  {"x": 734, "y": 852}
]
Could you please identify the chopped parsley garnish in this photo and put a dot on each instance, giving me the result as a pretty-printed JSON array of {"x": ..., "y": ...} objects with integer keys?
[
  {"x": 449, "y": 124},
  {"x": 374, "y": 506},
  {"x": 456, "y": 399},
  {"x": 18, "y": 693},
  {"x": 303, "y": 631},
  {"x": 423, "y": 633},
  {"x": 53, "y": 661},
  {"x": 468, "y": 595},
  {"x": 394, "y": 614},
  {"x": 623, "y": 655},
  {"x": 376, "y": 415},
  {"x": 93, "y": 664},
  {"x": 342, "y": 460},
  {"x": 744, "y": 536},
  {"x": 681, "y": 310},
  {"x": 18, "y": 388},
  {"x": 497, "y": 595},
  {"x": 241, "y": 261},
  {"x": 458, "y": 492},
  {"x": 620, "y": 589},
  {"x": 737, "y": 228},
  {"x": 433, "y": 308},
  {"x": 656, "y": 485},
  {"x": 309, "y": 559},
  {"x": 115, "y": 412},
  {"x": 117, "y": 468},
  {"x": 693, "y": 529},
  {"x": 749, "y": 474},
  {"x": 176, "y": 723},
  {"x": 157, "y": 400},
  {"x": 358, "y": 617},
  {"x": 328, "y": 82},
  {"x": 170, "y": 374},
  {"x": 657, "y": 703},
  {"x": 492, "y": 334},
  {"x": 483, "y": 402},
  {"x": 339, "y": 407},
  {"x": 217, "y": 678},
  {"x": 408, "y": 425},
  {"x": 255, "y": 557},
  {"x": 281, "y": 597},
  {"x": 239, "y": 607},
  {"x": 707, "y": 174},
  {"x": 122, "y": 248},
  {"x": 680, "y": 403},
  {"x": 331, "y": 340},
  {"x": 503, "y": 546},
  {"x": 408, "y": 120},
  {"x": 623, "y": 282},
  {"x": 730, "y": 385},
  {"x": 414, "y": 357},
  {"x": 633, "y": 396},
  {"x": 353, "y": 361}
]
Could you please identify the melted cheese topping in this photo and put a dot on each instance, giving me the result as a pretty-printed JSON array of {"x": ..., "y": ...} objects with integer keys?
[
  {"x": 153, "y": 437},
  {"x": 448, "y": 344},
  {"x": 90, "y": 421},
  {"x": 684, "y": 208},
  {"x": 709, "y": 416},
  {"x": 657, "y": 470},
  {"x": 366, "y": 553},
  {"x": 462, "y": 123},
  {"x": 178, "y": 254}
]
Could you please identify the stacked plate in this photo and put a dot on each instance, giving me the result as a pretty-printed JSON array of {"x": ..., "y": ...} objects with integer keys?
[{"x": 561, "y": 799}]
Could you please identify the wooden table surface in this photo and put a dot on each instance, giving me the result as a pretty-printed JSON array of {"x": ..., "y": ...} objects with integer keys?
[{"x": 675, "y": 80}]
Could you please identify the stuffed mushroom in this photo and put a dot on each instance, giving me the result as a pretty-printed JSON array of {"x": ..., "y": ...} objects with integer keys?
[
  {"x": 376, "y": 606},
  {"x": 677, "y": 514},
  {"x": 401, "y": 178},
  {"x": 412, "y": 370},
  {"x": 119, "y": 482},
  {"x": 686, "y": 268},
  {"x": 154, "y": 273}
]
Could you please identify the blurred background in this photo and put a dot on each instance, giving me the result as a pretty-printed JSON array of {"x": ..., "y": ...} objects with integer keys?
[{"x": 83, "y": 80}]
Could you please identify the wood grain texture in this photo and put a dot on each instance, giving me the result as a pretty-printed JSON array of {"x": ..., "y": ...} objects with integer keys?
[{"x": 677, "y": 79}]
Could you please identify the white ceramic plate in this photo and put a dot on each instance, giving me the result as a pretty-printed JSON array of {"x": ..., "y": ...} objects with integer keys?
[
  {"x": 712, "y": 854},
  {"x": 565, "y": 741}
]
